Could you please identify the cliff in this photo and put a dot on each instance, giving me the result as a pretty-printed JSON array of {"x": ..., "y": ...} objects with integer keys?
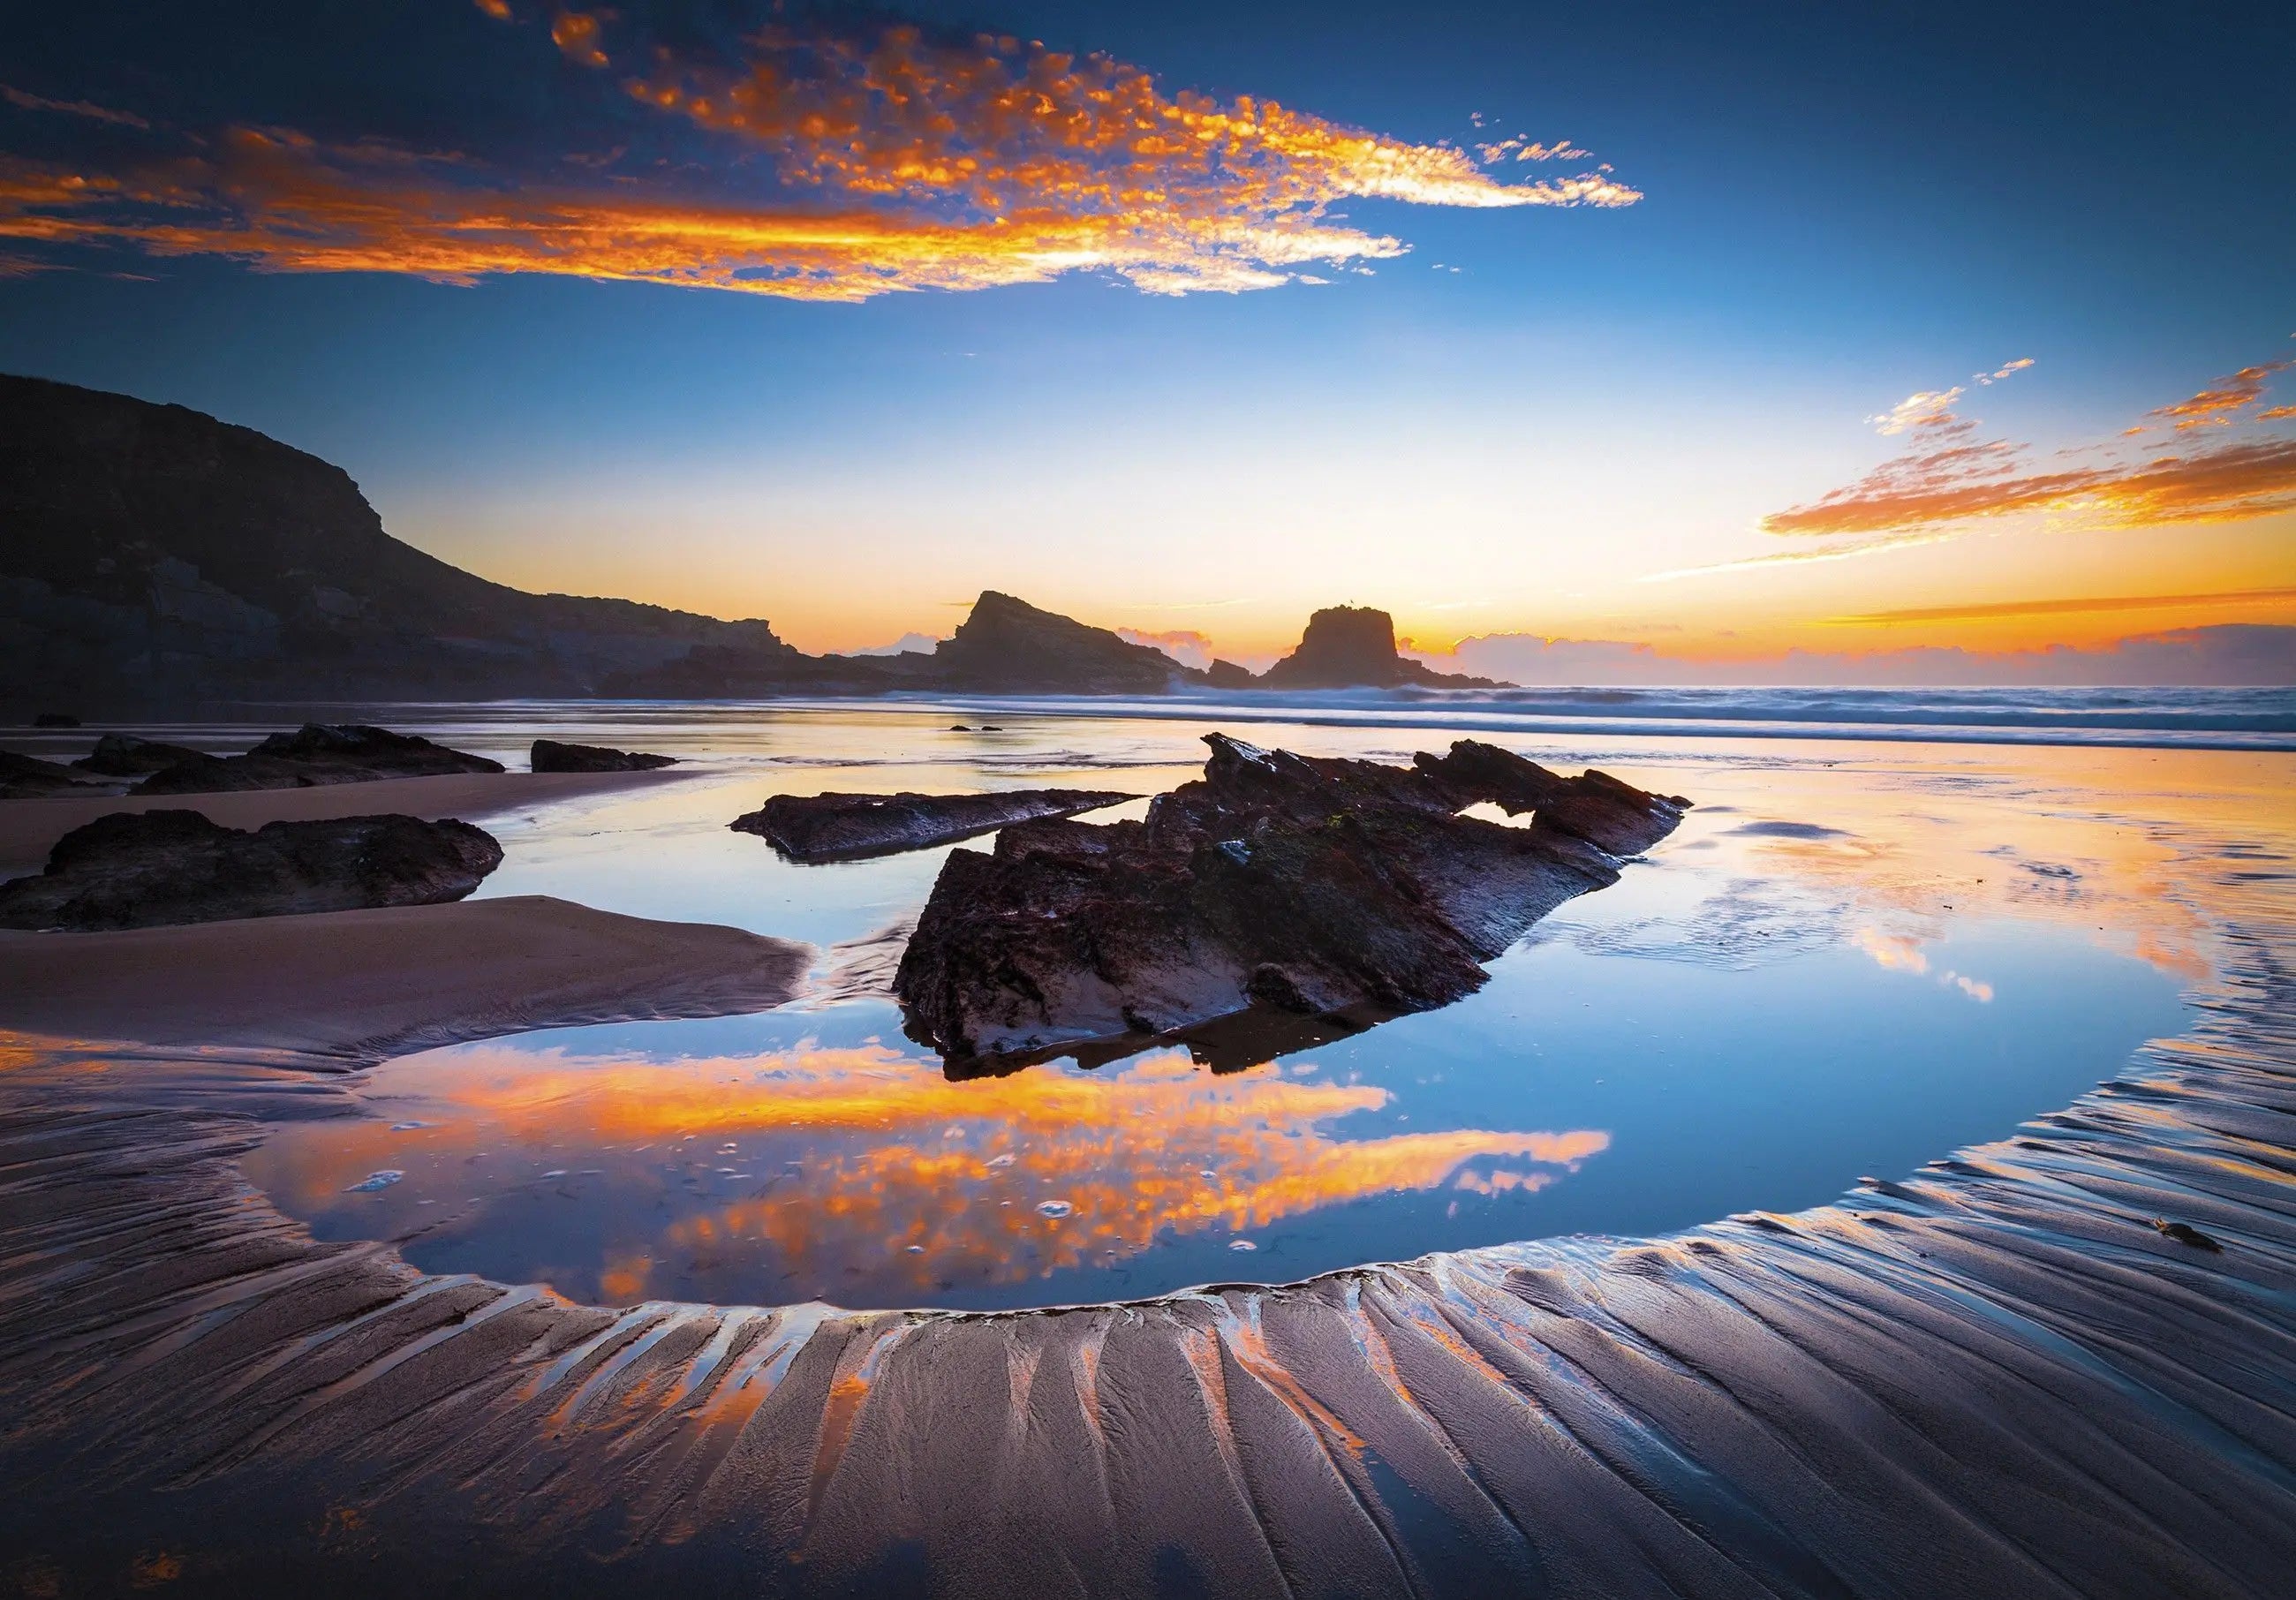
[{"x": 154, "y": 554}]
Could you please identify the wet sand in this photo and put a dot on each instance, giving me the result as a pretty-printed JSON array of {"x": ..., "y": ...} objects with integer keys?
[
  {"x": 1994, "y": 1378},
  {"x": 359, "y": 985},
  {"x": 30, "y": 828}
]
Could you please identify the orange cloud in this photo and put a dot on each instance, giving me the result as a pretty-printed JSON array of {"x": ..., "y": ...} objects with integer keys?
[
  {"x": 1909, "y": 498},
  {"x": 2217, "y": 405},
  {"x": 2050, "y": 608},
  {"x": 902, "y": 163}
]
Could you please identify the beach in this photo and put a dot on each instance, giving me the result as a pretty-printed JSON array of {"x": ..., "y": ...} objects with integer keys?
[{"x": 1609, "y": 1388}]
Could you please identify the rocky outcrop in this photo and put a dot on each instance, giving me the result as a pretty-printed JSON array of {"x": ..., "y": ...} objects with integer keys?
[
  {"x": 549, "y": 755},
  {"x": 1348, "y": 647},
  {"x": 316, "y": 754},
  {"x": 155, "y": 869},
  {"x": 27, "y": 778},
  {"x": 126, "y": 756},
  {"x": 1007, "y": 646},
  {"x": 1298, "y": 884},
  {"x": 845, "y": 827}
]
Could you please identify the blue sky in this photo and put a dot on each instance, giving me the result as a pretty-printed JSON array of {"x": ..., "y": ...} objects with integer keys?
[{"x": 1839, "y": 207}]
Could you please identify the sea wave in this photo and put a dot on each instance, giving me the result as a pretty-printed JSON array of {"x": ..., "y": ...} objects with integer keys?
[{"x": 2244, "y": 718}]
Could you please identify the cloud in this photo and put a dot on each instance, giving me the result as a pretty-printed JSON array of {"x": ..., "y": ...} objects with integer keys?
[
  {"x": 804, "y": 162},
  {"x": 1965, "y": 479},
  {"x": 2217, "y": 405},
  {"x": 2255, "y": 654},
  {"x": 2228, "y": 484},
  {"x": 1183, "y": 644},
  {"x": 89, "y": 109},
  {"x": 2053, "y": 608},
  {"x": 1930, "y": 408},
  {"x": 1999, "y": 373}
]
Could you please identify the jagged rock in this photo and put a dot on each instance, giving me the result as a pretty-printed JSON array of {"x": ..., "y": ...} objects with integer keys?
[
  {"x": 1348, "y": 647},
  {"x": 841, "y": 827},
  {"x": 1228, "y": 674},
  {"x": 126, "y": 756},
  {"x": 1325, "y": 887},
  {"x": 27, "y": 778},
  {"x": 316, "y": 754},
  {"x": 154, "y": 869},
  {"x": 549, "y": 755}
]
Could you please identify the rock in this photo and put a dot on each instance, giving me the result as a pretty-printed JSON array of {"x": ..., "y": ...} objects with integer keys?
[
  {"x": 1348, "y": 647},
  {"x": 27, "y": 778},
  {"x": 316, "y": 754},
  {"x": 551, "y": 755},
  {"x": 840, "y": 827},
  {"x": 1285, "y": 883},
  {"x": 154, "y": 868},
  {"x": 2184, "y": 1233},
  {"x": 1228, "y": 674},
  {"x": 1008, "y": 647},
  {"x": 126, "y": 756},
  {"x": 55, "y": 719}
]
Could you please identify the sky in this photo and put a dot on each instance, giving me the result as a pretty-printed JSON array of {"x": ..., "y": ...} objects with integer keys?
[{"x": 1708, "y": 332}]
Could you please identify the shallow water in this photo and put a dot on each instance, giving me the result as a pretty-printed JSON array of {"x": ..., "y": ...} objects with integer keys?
[{"x": 1848, "y": 961}]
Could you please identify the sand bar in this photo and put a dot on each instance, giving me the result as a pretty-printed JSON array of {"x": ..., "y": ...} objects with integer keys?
[
  {"x": 361, "y": 985},
  {"x": 30, "y": 828}
]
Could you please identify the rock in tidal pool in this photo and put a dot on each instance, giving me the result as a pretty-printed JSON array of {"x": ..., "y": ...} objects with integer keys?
[
  {"x": 551, "y": 755},
  {"x": 156, "y": 869},
  {"x": 844, "y": 827},
  {"x": 1276, "y": 882},
  {"x": 316, "y": 754}
]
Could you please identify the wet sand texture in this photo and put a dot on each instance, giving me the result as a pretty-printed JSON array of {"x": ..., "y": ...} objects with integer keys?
[
  {"x": 30, "y": 828},
  {"x": 364, "y": 984},
  {"x": 1995, "y": 1379}
]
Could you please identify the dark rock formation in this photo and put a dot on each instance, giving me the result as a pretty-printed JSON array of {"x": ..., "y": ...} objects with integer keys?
[
  {"x": 843, "y": 827},
  {"x": 1348, "y": 647},
  {"x": 316, "y": 754},
  {"x": 1228, "y": 674},
  {"x": 1305, "y": 885},
  {"x": 126, "y": 756},
  {"x": 154, "y": 869},
  {"x": 155, "y": 555},
  {"x": 55, "y": 719},
  {"x": 27, "y": 778},
  {"x": 549, "y": 755},
  {"x": 1008, "y": 647}
]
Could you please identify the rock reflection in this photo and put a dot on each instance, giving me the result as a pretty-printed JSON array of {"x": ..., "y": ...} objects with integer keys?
[{"x": 858, "y": 1173}]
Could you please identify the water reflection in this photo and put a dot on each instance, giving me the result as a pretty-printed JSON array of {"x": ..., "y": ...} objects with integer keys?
[{"x": 858, "y": 1173}]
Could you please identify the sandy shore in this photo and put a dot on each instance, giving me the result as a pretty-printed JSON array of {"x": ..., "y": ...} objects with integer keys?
[
  {"x": 362, "y": 984},
  {"x": 30, "y": 828}
]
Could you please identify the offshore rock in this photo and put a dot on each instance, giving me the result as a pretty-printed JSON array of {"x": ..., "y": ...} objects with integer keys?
[
  {"x": 1300, "y": 884},
  {"x": 316, "y": 754},
  {"x": 156, "y": 869},
  {"x": 126, "y": 756},
  {"x": 845, "y": 827},
  {"x": 549, "y": 755},
  {"x": 1348, "y": 647}
]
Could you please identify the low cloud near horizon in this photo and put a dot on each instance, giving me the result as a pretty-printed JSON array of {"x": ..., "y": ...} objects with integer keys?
[{"x": 2229, "y": 655}]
